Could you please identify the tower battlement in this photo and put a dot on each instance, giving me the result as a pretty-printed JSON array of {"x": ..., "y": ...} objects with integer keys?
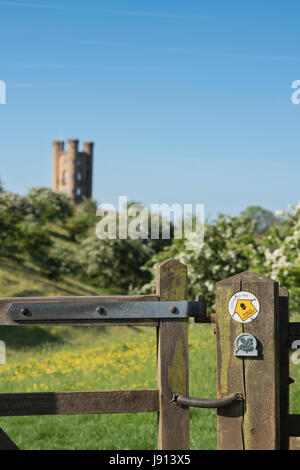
[{"x": 72, "y": 169}]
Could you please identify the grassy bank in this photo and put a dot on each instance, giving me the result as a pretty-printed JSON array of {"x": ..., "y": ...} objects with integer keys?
[{"x": 25, "y": 280}]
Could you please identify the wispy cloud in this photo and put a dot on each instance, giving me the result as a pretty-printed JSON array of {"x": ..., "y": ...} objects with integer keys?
[
  {"x": 31, "y": 5},
  {"x": 182, "y": 50},
  {"x": 46, "y": 66},
  {"x": 159, "y": 14},
  {"x": 167, "y": 15},
  {"x": 24, "y": 65},
  {"x": 41, "y": 84},
  {"x": 39, "y": 5},
  {"x": 138, "y": 69}
]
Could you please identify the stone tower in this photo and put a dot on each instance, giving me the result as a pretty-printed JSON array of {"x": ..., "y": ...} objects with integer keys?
[{"x": 72, "y": 170}]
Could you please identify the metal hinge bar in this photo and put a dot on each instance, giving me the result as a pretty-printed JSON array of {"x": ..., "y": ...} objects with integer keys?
[{"x": 162, "y": 310}]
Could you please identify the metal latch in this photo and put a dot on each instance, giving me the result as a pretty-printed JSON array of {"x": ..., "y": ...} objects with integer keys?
[{"x": 207, "y": 402}]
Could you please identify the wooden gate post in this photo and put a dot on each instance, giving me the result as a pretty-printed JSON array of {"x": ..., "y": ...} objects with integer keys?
[
  {"x": 255, "y": 422},
  {"x": 172, "y": 360},
  {"x": 284, "y": 365}
]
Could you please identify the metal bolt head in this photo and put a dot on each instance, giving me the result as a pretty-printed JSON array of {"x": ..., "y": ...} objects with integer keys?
[
  {"x": 173, "y": 309},
  {"x": 100, "y": 310},
  {"x": 25, "y": 311}
]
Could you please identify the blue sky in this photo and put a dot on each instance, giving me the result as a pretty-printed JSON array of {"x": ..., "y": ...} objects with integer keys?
[{"x": 186, "y": 101}]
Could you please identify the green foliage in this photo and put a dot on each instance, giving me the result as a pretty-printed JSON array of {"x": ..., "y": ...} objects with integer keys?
[
  {"x": 229, "y": 248},
  {"x": 14, "y": 208},
  {"x": 83, "y": 219},
  {"x": 136, "y": 222},
  {"x": 51, "y": 205},
  {"x": 114, "y": 262},
  {"x": 281, "y": 254},
  {"x": 24, "y": 233},
  {"x": 89, "y": 207},
  {"x": 233, "y": 245},
  {"x": 34, "y": 239},
  {"x": 261, "y": 219},
  {"x": 14, "y": 211},
  {"x": 56, "y": 261},
  {"x": 78, "y": 225},
  {"x": 155, "y": 244},
  {"x": 256, "y": 240}
]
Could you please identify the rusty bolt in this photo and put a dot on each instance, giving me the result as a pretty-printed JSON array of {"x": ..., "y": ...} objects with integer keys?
[{"x": 173, "y": 309}]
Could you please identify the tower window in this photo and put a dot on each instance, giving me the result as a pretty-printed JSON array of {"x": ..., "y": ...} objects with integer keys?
[
  {"x": 79, "y": 176},
  {"x": 65, "y": 174},
  {"x": 78, "y": 192}
]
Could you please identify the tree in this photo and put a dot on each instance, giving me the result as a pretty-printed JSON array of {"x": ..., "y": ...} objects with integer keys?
[
  {"x": 56, "y": 261},
  {"x": 229, "y": 248},
  {"x": 15, "y": 210},
  {"x": 136, "y": 211},
  {"x": 51, "y": 205},
  {"x": 114, "y": 262},
  {"x": 281, "y": 254},
  {"x": 260, "y": 218},
  {"x": 83, "y": 219}
]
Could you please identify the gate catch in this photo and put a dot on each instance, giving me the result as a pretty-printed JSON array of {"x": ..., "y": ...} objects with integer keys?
[{"x": 207, "y": 402}]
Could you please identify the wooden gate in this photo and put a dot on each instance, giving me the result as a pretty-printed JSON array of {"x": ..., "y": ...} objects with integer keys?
[
  {"x": 253, "y": 387},
  {"x": 172, "y": 361}
]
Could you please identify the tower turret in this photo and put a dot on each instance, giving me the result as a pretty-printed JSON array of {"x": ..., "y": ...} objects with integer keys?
[{"x": 72, "y": 169}]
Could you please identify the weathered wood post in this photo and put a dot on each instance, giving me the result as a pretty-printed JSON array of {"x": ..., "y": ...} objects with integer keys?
[
  {"x": 249, "y": 304},
  {"x": 5, "y": 442},
  {"x": 284, "y": 368},
  {"x": 172, "y": 360}
]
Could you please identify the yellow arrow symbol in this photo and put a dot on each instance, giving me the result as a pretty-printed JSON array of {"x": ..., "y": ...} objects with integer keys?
[{"x": 245, "y": 309}]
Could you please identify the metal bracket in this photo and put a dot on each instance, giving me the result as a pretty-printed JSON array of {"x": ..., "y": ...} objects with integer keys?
[
  {"x": 155, "y": 310},
  {"x": 206, "y": 402}
]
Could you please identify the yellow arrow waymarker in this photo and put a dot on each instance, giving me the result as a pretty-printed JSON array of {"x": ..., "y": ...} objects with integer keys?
[{"x": 245, "y": 309}]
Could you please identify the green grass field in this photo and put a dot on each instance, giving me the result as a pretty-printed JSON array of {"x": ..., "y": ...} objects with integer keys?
[
  {"x": 97, "y": 358},
  {"x": 87, "y": 358}
]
